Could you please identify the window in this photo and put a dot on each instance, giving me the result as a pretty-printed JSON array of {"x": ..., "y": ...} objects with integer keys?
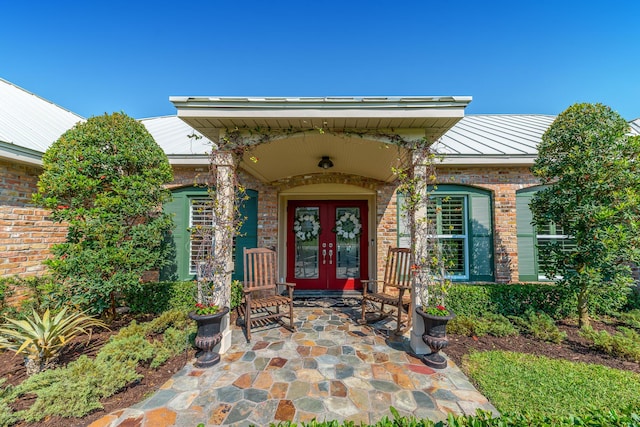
[
  {"x": 448, "y": 216},
  {"x": 549, "y": 234},
  {"x": 463, "y": 222},
  {"x": 201, "y": 228},
  {"x": 188, "y": 208},
  {"x": 532, "y": 240}
]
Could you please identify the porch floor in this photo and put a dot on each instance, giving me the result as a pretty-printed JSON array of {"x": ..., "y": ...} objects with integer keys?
[{"x": 331, "y": 368}]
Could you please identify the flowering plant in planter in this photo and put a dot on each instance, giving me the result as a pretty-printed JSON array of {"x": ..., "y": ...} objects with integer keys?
[
  {"x": 206, "y": 309},
  {"x": 438, "y": 310}
]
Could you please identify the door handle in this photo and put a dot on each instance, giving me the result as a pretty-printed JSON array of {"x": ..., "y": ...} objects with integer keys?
[
  {"x": 330, "y": 256},
  {"x": 324, "y": 256}
]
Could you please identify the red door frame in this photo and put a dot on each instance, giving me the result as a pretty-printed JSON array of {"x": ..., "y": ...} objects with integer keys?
[{"x": 327, "y": 280}]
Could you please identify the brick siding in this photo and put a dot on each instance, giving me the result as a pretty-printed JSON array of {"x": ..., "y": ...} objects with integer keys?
[{"x": 26, "y": 234}]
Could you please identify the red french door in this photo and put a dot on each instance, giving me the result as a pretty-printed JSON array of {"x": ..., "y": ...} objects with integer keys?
[{"x": 327, "y": 244}]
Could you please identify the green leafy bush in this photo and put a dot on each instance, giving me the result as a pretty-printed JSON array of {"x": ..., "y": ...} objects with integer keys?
[
  {"x": 174, "y": 341},
  {"x": 540, "y": 325},
  {"x": 499, "y": 326},
  {"x": 625, "y": 343},
  {"x": 105, "y": 178},
  {"x": 492, "y": 324},
  {"x": 627, "y": 417},
  {"x": 157, "y": 297},
  {"x": 515, "y": 299},
  {"x": 631, "y": 318},
  {"x": 237, "y": 293}
]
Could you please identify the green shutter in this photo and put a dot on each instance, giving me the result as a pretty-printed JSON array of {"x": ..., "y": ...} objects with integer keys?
[
  {"x": 527, "y": 269},
  {"x": 480, "y": 237},
  {"x": 180, "y": 239},
  {"x": 248, "y": 236}
]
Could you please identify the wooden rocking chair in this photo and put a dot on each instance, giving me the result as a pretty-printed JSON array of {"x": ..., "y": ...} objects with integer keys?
[
  {"x": 395, "y": 291},
  {"x": 262, "y": 301}
]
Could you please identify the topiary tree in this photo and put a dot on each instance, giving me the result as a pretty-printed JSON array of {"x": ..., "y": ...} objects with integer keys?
[
  {"x": 592, "y": 168},
  {"x": 105, "y": 178}
]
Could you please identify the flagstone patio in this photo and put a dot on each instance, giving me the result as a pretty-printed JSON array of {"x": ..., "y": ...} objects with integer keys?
[{"x": 331, "y": 368}]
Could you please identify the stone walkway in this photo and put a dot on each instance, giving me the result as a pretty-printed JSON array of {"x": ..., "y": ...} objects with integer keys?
[{"x": 331, "y": 368}]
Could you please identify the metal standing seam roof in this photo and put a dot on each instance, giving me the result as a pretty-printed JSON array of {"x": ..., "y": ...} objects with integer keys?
[
  {"x": 495, "y": 135},
  {"x": 635, "y": 126},
  {"x": 175, "y": 137},
  {"x": 29, "y": 121}
]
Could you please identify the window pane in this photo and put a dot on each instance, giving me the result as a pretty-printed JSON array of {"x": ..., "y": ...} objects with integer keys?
[
  {"x": 306, "y": 227},
  {"x": 566, "y": 246},
  {"x": 452, "y": 216},
  {"x": 448, "y": 216},
  {"x": 348, "y": 230},
  {"x": 454, "y": 255}
]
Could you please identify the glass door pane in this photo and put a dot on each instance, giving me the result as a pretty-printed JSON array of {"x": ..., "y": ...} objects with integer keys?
[
  {"x": 306, "y": 227},
  {"x": 348, "y": 230}
]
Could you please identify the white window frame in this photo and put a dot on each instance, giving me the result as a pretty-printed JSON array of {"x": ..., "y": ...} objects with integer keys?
[
  {"x": 551, "y": 237},
  {"x": 464, "y": 237},
  {"x": 193, "y": 269}
]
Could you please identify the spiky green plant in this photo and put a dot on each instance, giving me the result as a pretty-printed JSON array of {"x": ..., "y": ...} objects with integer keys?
[{"x": 40, "y": 339}]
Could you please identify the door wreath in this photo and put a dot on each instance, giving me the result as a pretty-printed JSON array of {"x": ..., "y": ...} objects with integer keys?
[
  {"x": 306, "y": 227},
  {"x": 348, "y": 226}
]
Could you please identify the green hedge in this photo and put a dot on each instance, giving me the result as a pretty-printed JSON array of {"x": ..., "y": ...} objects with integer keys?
[
  {"x": 594, "y": 418},
  {"x": 515, "y": 299},
  {"x": 158, "y": 297}
]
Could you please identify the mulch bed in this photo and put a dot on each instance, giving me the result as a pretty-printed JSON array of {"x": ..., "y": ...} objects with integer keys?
[
  {"x": 12, "y": 368},
  {"x": 574, "y": 348}
]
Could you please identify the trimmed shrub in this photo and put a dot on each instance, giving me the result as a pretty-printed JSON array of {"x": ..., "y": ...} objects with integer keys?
[
  {"x": 540, "y": 325},
  {"x": 492, "y": 324},
  {"x": 631, "y": 318},
  {"x": 157, "y": 297},
  {"x": 625, "y": 343},
  {"x": 75, "y": 390},
  {"x": 515, "y": 299}
]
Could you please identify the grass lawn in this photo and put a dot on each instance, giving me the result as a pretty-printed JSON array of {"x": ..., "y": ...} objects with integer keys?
[{"x": 518, "y": 382}]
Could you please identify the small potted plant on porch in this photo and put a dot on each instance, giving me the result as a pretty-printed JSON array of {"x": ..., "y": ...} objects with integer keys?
[
  {"x": 432, "y": 291},
  {"x": 208, "y": 313}
]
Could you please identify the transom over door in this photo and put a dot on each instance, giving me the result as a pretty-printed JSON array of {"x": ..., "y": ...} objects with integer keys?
[{"x": 327, "y": 244}]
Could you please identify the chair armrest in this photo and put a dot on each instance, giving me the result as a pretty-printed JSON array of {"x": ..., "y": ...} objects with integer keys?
[
  {"x": 402, "y": 287},
  {"x": 365, "y": 285},
  {"x": 289, "y": 285}
]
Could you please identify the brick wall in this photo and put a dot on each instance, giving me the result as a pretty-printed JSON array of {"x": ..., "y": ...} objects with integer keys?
[
  {"x": 26, "y": 234},
  {"x": 503, "y": 184}
]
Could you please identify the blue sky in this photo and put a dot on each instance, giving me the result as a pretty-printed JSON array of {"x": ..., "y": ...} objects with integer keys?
[{"x": 511, "y": 56}]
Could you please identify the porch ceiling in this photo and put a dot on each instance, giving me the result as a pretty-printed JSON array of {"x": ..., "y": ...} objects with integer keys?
[{"x": 298, "y": 155}]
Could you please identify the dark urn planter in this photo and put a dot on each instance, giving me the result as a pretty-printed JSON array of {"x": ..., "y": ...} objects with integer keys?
[
  {"x": 209, "y": 335},
  {"x": 435, "y": 336}
]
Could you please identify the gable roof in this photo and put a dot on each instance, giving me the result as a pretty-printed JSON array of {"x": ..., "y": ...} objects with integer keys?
[
  {"x": 29, "y": 123},
  {"x": 176, "y": 138}
]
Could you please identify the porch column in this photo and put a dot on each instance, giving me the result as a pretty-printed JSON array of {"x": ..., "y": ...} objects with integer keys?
[
  {"x": 419, "y": 244},
  {"x": 223, "y": 166}
]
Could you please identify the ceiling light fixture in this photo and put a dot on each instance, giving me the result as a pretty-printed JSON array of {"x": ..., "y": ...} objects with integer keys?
[{"x": 325, "y": 163}]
